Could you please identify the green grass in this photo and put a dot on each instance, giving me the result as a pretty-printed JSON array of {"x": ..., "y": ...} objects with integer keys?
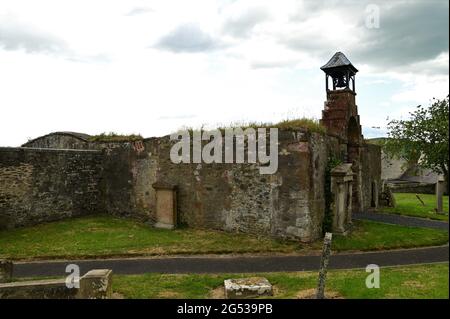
[
  {"x": 114, "y": 137},
  {"x": 288, "y": 124},
  {"x": 311, "y": 125},
  {"x": 368, "y": 235},
  {"x": 408, "y": 204},
  {"x": 101, "y": 236},
  {"x": 98, "y": 236},
  {"x": 422, "y": 281}
]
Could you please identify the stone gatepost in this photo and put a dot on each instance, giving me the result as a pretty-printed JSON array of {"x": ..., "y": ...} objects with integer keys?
[
  {"x": 6, "y": 269},
  {"x": 341, "y": 188},
  {"x": 439, "y": 194},
  {"x": 166, "y": 205},
  {"x": 96, "y": 284}
]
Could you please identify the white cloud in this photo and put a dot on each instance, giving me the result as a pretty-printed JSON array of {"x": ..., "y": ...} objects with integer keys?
[{"x": 217, "y": 62}]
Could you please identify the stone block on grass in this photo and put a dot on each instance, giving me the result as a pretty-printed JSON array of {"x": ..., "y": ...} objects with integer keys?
[
  {"x": 247, "y": 288},
  {"x": 6, "y": 269}
]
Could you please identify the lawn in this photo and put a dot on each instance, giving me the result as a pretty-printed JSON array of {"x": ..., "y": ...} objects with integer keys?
[
  {"x": 377, "y": 236},
  {"x": 104, "y": 236},
  {"x": 408, "y": 204},
  {"x": 422, "y": 281}
]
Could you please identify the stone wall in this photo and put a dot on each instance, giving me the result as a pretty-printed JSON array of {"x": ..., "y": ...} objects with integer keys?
[
  {"x": 40, "y": 185},
  {"x": 95, "y": 284},
  {"x": 37, "y": 289},
  {"x": 43, "y": 184},
  {"x": 412, "y": 187},
  {"x": 60, "y": 140},
  {"x": 232, "y": 197},
  {"x": 371, "y": 175}
]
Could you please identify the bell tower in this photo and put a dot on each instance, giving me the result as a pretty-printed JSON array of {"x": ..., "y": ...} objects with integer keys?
[
  {"x": 340, "y": 115},
  {"x": 340, "y": 110}
]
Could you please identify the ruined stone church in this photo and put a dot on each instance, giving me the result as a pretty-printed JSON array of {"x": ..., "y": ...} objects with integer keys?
[{"x": 65, "y": 174}]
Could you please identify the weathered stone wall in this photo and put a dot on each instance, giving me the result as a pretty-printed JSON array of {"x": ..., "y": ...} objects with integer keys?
[
  {"x": 59, "y": 140},
  {"x": 412, "y": 187},
  {"x": 38, "y": 289},
  {"x": 232, "y": 197},
  {"x": 40, "y": 185},
  {"x": 43, "y": 184},
  {"x": 95, "y": 284},
  {"x": 371, "y": 175}
]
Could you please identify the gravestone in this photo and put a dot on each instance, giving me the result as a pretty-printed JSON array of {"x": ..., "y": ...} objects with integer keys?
[
  {"x": 341, "y": 187},
  {"x": 166, "y": 205},
  {"x": 96, "y": 284},
  {"x": 439, "y": 195},
  {"x": 252, "y": 287}
]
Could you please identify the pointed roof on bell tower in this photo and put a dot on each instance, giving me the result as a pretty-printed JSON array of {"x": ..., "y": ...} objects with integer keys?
[{"x": 339, "y": 60}]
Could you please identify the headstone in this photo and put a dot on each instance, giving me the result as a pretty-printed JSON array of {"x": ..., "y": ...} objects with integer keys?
[
  {"x": 252, "y": 287},
  {"x": 166, "y": 205},
  {"x": 342, "y": 189},
  {"x": 96, "y": 284},
  {"x": 6, "y": 269},
  {"x": 439, "y": 195},
  {"x": 326, "y": 250}
]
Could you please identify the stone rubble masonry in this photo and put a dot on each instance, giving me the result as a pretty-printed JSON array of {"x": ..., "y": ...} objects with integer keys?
[
  {"x": 6, "y": 269},
  {"x": 243, "y": 288},
  {"x": 40, "y": 185},
  {"x": 96, "y": 284}
]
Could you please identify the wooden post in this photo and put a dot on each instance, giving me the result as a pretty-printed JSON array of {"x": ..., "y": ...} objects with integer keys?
[
  {"x": 326, "y": 250},
  {"x": 420, "y": 199}
]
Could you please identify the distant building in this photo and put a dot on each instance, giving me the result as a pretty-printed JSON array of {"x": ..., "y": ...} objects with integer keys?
[{"x": 404, "y": 177}]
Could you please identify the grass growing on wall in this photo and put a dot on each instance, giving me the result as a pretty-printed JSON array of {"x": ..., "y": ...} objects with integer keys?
[
  {"x": 292, "y": 124},
  {"x": 114, "y": 137},
  {"x": 311, "y": 125}
]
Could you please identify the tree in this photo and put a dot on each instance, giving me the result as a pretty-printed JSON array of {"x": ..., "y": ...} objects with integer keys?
[{"x": 423, "y": 138}]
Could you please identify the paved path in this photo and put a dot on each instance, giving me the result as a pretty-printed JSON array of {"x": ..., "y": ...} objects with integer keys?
[
  {"x": 178, "y": 265},
  {"x": 402, "y": 220}
]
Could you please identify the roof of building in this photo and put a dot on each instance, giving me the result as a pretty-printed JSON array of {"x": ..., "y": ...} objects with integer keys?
[
  {"x": 338, "y": 60},
  {"x": 80, "y": 136}
]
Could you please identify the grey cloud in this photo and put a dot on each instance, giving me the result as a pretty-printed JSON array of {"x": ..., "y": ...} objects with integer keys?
[
  {"x": 139, "y": 11},
  {"x": 410, "y": 32},
  {"x": 188, "y": 38},
  {"x": 307, "y": 9},
  {"x": 242, "y": 25},
  {"x": 17, "y": 36},
  {"x": 272, "y": 64}
]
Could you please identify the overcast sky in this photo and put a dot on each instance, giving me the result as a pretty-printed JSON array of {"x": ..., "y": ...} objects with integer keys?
[{"x": 151, "y": 67}]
